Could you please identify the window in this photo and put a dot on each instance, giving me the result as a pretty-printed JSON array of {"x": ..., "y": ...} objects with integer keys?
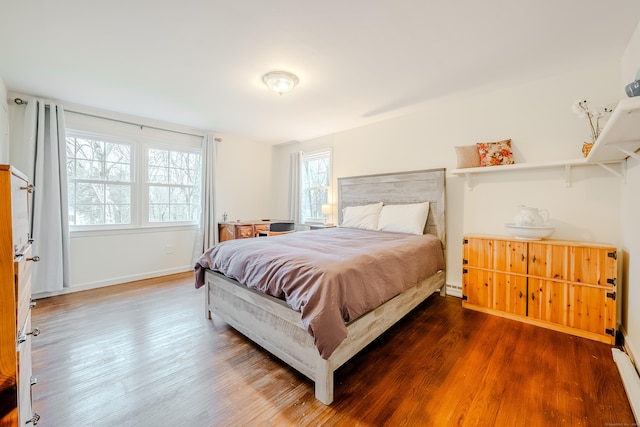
[
  {"x": 100, "y": 180},
  {"x": 173, "y": 179},
  {"x": 111, "y": 187},
  {"x": 315, "y": 182}
]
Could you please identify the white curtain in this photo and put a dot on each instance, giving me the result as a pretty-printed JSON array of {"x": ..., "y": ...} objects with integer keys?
[
  {"x": 43, "y": 157},
  {"x": 294, "y": 186},
  {"x": 208, "y": 233}
]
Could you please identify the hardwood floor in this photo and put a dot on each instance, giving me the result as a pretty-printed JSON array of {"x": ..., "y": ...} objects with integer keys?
[{"x": 143, "y": 354}]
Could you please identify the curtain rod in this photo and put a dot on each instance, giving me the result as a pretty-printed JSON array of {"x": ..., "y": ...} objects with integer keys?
[{"x": 20, "y": 101}]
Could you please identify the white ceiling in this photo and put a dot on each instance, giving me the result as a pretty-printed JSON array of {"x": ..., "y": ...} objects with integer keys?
[{"x": 199, "y": 63}]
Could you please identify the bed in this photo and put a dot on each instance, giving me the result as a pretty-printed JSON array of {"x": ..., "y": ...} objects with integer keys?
[{"x": 288, "y": 333}]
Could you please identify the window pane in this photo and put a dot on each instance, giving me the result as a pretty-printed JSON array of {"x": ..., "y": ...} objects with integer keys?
[
  {"x": 96, "y": 168},
  {"x": 157, "y": 166},
  {"x": 179, "y": 195},
  {"x": 118, "y": 194},
  {"x": 180, "y": 199},
  {"x": 158, "y": 213},
  {"x": 89, "y": 149},
  {"x": 180, "y": 213},
  {"x": 177, "y": 176},
  {"x": 158, "y": 158},
  {"x": 158, "y": 194},
  {"x": 89, "y": 194},
  {"x": 157, "y": 175},
  {"x": 118, "y": 172},
  {"x": 118, "y": 214},
  {"x": 178, "y": 160},
  {"x": 88, "y": 169},
  {"x": 117, "y": 153},
  {"x": 194, "y": 168},
  {"x": 89, "y": 215}
]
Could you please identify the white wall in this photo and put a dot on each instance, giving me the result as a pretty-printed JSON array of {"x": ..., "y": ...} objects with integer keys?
[
  {"x": 536, "y": 115},
  {"x": 4, "y": 124},
  {"x": 107, "y": 258},
  {"x": 629, "y": 214},
  {"x": 244, "y": 179}
]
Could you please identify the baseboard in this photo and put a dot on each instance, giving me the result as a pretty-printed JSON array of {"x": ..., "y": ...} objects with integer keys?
[
  {"x": 113, "y": 281},
  {"x": 454, "y": 290},
  {"x": 629, "y": 347},
  {"x": 630, "y": 379}
]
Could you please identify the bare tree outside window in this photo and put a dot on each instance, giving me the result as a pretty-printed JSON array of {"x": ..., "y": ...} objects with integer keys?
[
  {"x": 174, "y": 179},
  {"x": 103, "y": 189},
  {"x": 100, "y": 181}
]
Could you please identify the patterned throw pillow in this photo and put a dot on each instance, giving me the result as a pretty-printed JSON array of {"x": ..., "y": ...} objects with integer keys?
[{"x": 495, "y": 153}]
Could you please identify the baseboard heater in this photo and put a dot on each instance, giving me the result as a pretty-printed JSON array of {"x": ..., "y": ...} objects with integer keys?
[{"x": 630, "y": 379}]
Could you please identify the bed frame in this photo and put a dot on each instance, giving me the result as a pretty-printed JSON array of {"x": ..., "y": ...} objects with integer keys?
[{"x": 272, "y": 324}]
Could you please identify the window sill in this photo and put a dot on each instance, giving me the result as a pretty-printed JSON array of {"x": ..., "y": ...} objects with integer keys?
[{"x": 138, "y": 230}]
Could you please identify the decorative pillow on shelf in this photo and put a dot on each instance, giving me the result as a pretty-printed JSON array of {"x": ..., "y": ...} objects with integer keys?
[
  {"x": 495, "y": 153},
  {"x": 409, "y": 219},
  {"x": 365, "y": 217},
  {"x": 468, "y": 156}
]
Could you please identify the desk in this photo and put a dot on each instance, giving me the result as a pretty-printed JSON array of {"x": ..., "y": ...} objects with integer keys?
[{"x": 244, "y": 229}]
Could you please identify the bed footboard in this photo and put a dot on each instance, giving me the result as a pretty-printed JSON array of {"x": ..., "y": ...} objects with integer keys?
[{"x": 270, "y": 323}]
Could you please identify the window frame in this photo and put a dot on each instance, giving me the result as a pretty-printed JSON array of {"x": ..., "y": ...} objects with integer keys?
[
  {"x": 144, "y": 185},
  {"x": 322, "y": 153},
  {"x": 140, "y": 207},
  {"x": 132, "y": 175}
]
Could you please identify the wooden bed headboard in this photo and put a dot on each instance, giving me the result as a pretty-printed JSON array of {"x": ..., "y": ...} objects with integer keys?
[{"x": 398, "y": 188}]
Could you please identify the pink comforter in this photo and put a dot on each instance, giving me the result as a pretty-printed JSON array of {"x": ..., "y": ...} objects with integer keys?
[{"x": 330, "y": 276}]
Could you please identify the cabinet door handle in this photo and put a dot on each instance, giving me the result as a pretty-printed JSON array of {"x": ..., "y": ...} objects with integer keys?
[
  {"x": 533, "y": 296},
  {"x": 32, "y": 304},
  {"x": 34, "y": 381},
  {"x": 34, "y": 259},
  {"x": 22, "y": 338},
  {"x": 29, "y": 188},
  {"x": 534, "y": 259},
  {"x": 34, "y": 419},
  {"x": 523, "y": 257},
  {"x": 520, "y": 295}
]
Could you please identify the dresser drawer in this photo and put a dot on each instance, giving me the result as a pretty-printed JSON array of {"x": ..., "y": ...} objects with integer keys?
[
  {"x": 244, "y": 231},
  {"x": 22, "y": 268},
  {"x": 226, "y": 232},
  {"x": 261, "y": 227},
  {"x": 24, "y": 375}
]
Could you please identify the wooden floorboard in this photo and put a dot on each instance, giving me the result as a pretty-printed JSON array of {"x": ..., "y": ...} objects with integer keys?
[{"x": 143, "y": 354}]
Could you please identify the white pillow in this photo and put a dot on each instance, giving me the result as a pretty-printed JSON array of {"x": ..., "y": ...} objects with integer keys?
[
  {"x": 365, "y": 217},
  {"x": 409, "y": 219}
]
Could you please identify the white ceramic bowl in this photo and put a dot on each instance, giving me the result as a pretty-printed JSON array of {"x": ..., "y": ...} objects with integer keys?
[{"x": 525, "y": 232}]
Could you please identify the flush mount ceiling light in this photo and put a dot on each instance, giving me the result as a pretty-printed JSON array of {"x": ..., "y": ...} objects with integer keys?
[{"x": 280, "y": 81}]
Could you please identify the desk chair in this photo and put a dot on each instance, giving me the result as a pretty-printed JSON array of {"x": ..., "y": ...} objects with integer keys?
[{"x": 276, "y": 228}]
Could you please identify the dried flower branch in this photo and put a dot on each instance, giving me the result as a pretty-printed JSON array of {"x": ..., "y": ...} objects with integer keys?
[{"x": 581, "y": 108}]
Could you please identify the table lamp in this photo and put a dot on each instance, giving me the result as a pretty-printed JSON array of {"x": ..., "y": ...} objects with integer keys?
[{"x": 326, "y": 211}]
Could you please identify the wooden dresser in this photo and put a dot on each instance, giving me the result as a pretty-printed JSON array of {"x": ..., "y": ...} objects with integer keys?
[
  {"x": 568, "y": 286},
  {"x": 15, "y": 301}
]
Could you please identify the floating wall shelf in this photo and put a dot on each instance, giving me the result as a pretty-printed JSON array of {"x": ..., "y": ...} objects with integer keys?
[{"x": 619, "y": 139}]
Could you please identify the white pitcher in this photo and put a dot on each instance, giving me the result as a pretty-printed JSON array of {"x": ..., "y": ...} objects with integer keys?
[{"x": 531, "y": 217}]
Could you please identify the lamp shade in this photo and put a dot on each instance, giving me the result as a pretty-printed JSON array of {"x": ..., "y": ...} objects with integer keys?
[
  {"x": 326, "y": 209},
  {"x": 280, "y": 81}
]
